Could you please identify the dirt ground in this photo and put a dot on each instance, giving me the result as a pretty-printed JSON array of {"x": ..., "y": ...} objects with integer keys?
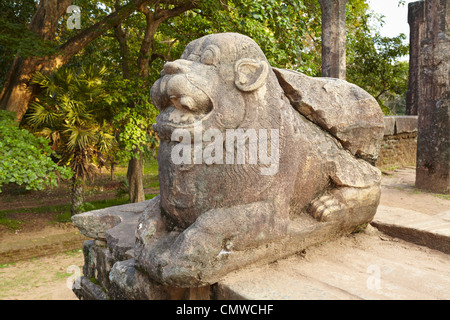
[
  {"x": 43, "y": 278},
  {"x": 398, "y": 191},
  {"x": 46, "y": 278}
]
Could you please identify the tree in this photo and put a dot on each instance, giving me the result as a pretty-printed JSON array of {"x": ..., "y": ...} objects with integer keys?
[
  {"x": 373, "y": 64},
  {"x": 133, "y": 118},
  {"x": 287, "y": 32},
  {"x": 25, "y": 159},
  {"x": 135, "y": 47},
  {"x": 154, "y": 16},
  {"x": 17, "y": 91},
  {"x": 70, "y": 112}
]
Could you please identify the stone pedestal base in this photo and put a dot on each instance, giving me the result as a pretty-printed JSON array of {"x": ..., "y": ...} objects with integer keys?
[{"x": 110, "y": 271}]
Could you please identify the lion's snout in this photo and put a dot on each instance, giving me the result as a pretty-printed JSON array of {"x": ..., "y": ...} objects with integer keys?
[
  {"x": 176, "y": 88},
  {"x": 177, "y": 66}
]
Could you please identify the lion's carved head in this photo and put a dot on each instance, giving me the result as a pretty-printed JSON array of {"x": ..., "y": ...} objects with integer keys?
[{"x": 210, "y": 82}]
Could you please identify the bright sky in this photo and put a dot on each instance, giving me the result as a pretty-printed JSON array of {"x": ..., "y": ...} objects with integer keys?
[{"x": 395, "y": 16}]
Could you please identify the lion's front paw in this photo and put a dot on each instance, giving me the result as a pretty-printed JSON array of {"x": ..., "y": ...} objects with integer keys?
[
  {"x": 185, "y": 257},
  {"x": 324, "y": 207}
]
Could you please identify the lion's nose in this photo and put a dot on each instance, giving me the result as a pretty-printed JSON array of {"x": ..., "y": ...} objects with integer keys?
[{"x": 175, "y": 67}]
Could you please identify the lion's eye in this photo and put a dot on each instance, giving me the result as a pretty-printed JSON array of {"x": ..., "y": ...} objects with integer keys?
[
  {"x": 193, "y": 57},
  {"x": 207, "y": 57},
  {"x": 210, "y": 55}
]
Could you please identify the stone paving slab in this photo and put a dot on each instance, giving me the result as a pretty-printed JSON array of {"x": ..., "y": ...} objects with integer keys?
[
  {"x": 368, "y": 266},
  {"x": 432, "y": 231},
  {"x": 374, "y": 265}
]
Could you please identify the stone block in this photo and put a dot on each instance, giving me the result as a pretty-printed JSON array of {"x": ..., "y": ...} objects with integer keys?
[
  {"x": 405, "y": 124},
  {"x": 389, "y": 125},
  {"x": 85, "y": 289}
]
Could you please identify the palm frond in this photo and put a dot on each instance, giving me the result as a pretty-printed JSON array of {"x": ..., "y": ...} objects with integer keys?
[
  {"x": 46, "y": 82},
  {"x": 69, "y": 112},
  {"x": 79, "y": 138},
  {"x": 42, "y": 115}
]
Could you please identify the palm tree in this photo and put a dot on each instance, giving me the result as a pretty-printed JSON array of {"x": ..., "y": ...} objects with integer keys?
[{"x": 71, "y": 113}]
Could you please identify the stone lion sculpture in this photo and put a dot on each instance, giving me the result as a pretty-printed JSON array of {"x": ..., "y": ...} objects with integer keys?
[{"x": 217, "y": 212}]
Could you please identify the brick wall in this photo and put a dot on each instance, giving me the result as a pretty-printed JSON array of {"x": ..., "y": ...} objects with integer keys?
[{"x": 399, "y": 145}]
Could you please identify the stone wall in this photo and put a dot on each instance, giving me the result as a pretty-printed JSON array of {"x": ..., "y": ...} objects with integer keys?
[{"x": 399, "y": 147}]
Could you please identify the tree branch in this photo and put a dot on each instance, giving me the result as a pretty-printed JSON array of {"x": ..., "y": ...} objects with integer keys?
[
  {"x": 74, "y": 44},
  {"x": 154, "y": 19}
]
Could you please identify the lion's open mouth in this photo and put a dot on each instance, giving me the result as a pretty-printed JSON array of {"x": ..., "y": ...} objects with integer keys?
[
  {"x": 172, "y": 118},
  {"x": 181, "y": 102},
  {"x": 176, "y": 117}
]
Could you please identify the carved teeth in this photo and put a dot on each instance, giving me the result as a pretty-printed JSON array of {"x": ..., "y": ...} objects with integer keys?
[
  {"x": 179, "y": 117},
  {"x": 187, "y": 102}
]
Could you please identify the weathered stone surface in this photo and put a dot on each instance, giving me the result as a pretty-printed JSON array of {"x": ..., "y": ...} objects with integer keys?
[
  {"x": 94, "y": 224},
  {"x": 398, "y": 151},
  {"x": 97, "y": 263},
  {"x": 389, "y": 125},
  {"x": 415, "y": 227},
  {"x": 130, "y": 284},
  {"x": 121, "y": 239},
  {"x": 416, "y": 34},
  {"x": 214, "y": 217},
  {"x": 365, "y": 266},
  {"x": 405, "y": 124},
  {"x": 433, "y": 142},
  {"x": 114, "y": 232},
  {"x": 89, "y": 265},
  {"x": 399, "y": 146},
  {"x": 221, "y": 211},
  {"x": 343, "y": 109},
  {"x": 333, "y": 38},
  {"x": 84, "y": 289}
]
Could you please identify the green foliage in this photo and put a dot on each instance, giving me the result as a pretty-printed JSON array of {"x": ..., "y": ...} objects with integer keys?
[
  {"x": 287, "y": 32},
  {"x": 11, "y": 224},
  {"x": 133, "y": 117},
  {"x": 133, "y": 135},
  {"x": 25, "y": 159},
  {"x": 71, "y": 113},
  {"x": 113, "y": 118},
  {"x": 373, "y": 62},
  {"x": 373, "y": 65},
  {"x": 15, "y": 37}
]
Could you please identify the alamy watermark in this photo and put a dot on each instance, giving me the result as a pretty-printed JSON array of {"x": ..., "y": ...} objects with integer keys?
[
  {"x": 74, "y": 20},
  {"x": 235, "y": 140},
  {"x": 374, "y": 281},
  {"x": 73, "y": 281}
]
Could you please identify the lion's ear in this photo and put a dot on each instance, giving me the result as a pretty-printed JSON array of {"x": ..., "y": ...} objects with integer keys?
[{"x": 250, "y": 74}]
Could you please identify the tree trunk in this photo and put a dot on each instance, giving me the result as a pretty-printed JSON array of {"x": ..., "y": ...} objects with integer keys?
[
  {"x": 153, "y": 19},
  {"x": 77, "y": 196},
  {"x": 113, "y": 167},
  {"x": 135, "y": 175},
  {"x": 17, "y": 92}
]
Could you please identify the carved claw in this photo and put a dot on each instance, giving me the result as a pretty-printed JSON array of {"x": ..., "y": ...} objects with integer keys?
[{"x": 324, "y": 207}]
